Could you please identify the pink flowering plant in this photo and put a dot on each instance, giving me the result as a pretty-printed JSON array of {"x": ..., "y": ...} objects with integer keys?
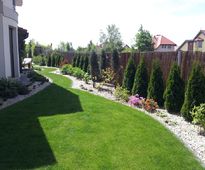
[{"x": 136, "y": 100}]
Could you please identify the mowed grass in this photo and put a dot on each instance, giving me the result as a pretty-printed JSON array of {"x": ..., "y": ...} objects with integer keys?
[{"x": 63, "y": 128}]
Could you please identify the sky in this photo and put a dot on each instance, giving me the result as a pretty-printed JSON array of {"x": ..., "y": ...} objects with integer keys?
[{"x": 79, "y": 21}]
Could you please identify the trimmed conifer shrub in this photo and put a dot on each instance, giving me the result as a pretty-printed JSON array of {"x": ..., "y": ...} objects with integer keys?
[
  {"x": 156, "y": 86},
  {"x": 86, "y": 63},
  {"x": 115, "y": 60},
  {"x": 77, "y": 64},
  {"x": 129, "y": 74},
  {"x": 49, "y": 61},
  {"x": 94, "y": 66},
  {"x": 81, "y": 62},
  {"x": 74, "y": 60},
  {"x": 53, "y": 61},
  {"x": 141, "y": 80},
  {"x": 103, "y": 60},
  {"x": 174, "y": 93},
  {"x": 195, "y": 91}
]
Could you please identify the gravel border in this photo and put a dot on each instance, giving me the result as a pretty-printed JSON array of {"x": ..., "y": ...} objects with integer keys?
[{"x": 186, "y": 132}]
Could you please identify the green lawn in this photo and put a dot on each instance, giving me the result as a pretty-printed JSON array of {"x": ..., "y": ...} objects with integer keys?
[{"x": 63, "y": 128}]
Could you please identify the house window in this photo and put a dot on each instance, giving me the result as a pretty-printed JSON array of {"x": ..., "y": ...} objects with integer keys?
[
  {"x": 163, "y": 46},
  {"x": 199, "y": 44},
  {"x": 169, "y": 46}
]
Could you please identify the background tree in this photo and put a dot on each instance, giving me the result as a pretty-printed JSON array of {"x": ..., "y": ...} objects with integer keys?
[
  {"x": 195, "y": 91},
  {"x": 22, "y": 35},
  {"x": 129, "y": 74},
  {"x": 174, "y": 93},
  {"x": 144, "y": 40},
  {"x": 111, "y": 39},
  {"x": 103, "y": 60},
  {"x": 156, "y": 85},
  {"x": 94, "y": 67},
  {"x": 141, "y": 80},
  {"x": 65, "y": 46},
  {"x": 91, "y": 46},
  {"x": 30, "y": 48},
  {"x": 30, "y": 53}
]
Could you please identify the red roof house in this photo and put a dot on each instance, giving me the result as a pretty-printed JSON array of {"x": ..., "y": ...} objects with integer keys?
[{"x": 162, "y": 43}]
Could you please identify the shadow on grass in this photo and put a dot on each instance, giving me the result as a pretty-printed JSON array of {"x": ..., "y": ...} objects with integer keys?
[{"x": 23, "y": 144}]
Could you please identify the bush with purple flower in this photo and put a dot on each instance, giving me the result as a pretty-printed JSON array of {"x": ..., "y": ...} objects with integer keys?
[{"x": 136, "y": 100}]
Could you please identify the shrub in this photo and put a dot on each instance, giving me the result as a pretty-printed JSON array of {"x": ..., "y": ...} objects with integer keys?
[
  {"x": 22, "y": 89},
  {"x": 43, "y": 61},
  {"x": 198, "y": 114},
  {"x": 149, "y": 105},
  {"x": 74, "y": 60},
  {"x": 78, "y": 73},
  {"x": 77, "y": 64},
  {"x": 174, "y": 93},
  {"x": 121, "y": 93},
  {"x": 34, "y": 76},
  {"x": 86, "y": 63},
  {"x": 73, "y": 71},
  {"x": 49, "y": 61},
  {"x": 94, "y": 67},
  {"x": 86, "y": 78},
  {"x": 141, "y": 80},
  {"x": 129, "y": 75},
  {"x": 103, "y": 60},
  {"x": 108, "y": 75},
  {"x": 67, "y": 69},
  {"x": 37, "y": 60},
  {"x": 53, "y": 61},
  {"x": 37, "y": 68},
  {"x": 81, "y": 64},
  {"x": 135, "y": 100},
  {"x": 195, "y": 91},
  {"x": 11, "y": 88},
  {"x": 115, "y": 60},
  {"x": 156, "y": 87}
]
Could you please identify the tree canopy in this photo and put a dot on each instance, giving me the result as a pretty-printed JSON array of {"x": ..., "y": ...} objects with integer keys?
[
  {"x": 111, "y": 39},
  {"x": 143, "y": 40}
]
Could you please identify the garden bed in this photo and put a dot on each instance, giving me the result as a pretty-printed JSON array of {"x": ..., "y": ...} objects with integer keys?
[
  {"x": 34, "y": 83},
  {"x": 185, "y": 131}
]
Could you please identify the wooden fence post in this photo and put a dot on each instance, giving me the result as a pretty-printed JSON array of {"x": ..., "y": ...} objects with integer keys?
[{"x": 179, "y": 56}]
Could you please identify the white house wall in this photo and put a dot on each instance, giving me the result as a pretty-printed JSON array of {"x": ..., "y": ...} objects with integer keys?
[
  {"x": 2, "y": 59},
  {"x": 8, "y": 19},
  {"x": 160, "y": 49},
  {"x": 8, "y": 3},
  {"x": 10, "y": 23}
]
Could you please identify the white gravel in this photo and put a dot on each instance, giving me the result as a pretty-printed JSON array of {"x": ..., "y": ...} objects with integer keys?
[{"x": 185, "y": 131}]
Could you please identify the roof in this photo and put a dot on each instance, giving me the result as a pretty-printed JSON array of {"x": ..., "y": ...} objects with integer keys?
[
  {"x": 186, "y": 41},
  {"x": 161, "y": 40},
  {"x": 201, "y": 31}
]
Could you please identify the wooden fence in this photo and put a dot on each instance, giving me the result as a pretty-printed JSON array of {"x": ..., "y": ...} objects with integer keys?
[{"x": 184, "y": 60}]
